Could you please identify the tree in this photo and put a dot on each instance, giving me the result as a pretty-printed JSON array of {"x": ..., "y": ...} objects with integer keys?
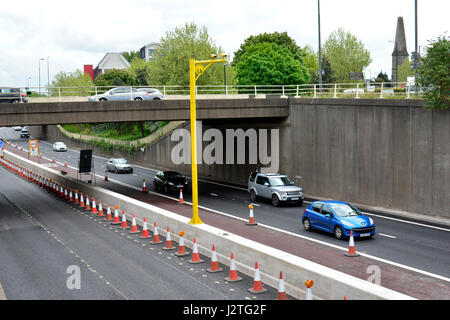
[
  {"x": 270, "y": 64},
  {"x": 404, "y": 70},
  {"x": 346, "y": 54},
  {"x": 434, "y": 73},
  {"x": 69, "y": 80},
  {"x": 177, "y": 47},
  {"x": 140, "y": 69},
  {"x": 131, "y": 55},
  {"x": 115, "y": 78},
  {"x": 382, "y": 77},
  {"x": 282, "y": 39},
  {"x": 327, "y": 72}
]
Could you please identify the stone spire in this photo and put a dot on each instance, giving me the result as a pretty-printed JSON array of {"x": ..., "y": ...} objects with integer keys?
[{"x": 400, "y": 52}]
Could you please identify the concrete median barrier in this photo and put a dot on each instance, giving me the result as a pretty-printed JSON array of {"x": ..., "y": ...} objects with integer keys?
[{"x": 329, "y": 283}]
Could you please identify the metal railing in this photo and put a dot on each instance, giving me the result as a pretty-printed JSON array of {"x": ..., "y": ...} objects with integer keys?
[{"x": 330, "y": 90}]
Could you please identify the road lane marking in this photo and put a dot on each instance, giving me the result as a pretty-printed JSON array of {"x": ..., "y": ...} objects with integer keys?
[
  {"x": 386, "y": 235},
  {"x": 214, "y": 194}
]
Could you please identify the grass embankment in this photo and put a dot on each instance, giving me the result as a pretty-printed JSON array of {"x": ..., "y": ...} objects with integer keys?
[{"x": 115, "y": 131}]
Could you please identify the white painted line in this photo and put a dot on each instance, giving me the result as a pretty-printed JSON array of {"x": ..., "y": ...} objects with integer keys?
[
  {"x": 405, "y": 221},
  {"x": 386, "y": 235},
  {"x": 214, "y": 195}
]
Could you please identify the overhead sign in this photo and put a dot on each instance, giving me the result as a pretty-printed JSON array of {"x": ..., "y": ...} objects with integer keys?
[{"x": 33, "y": 147}]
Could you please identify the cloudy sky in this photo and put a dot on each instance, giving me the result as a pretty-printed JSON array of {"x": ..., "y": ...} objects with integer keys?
[{"x": 80, "y": 32}]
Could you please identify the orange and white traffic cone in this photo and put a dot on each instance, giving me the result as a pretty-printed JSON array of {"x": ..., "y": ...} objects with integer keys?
[
  {"x": 88, "y": 206},
  {"x": 181, "y": 196},
  {"x": 156, "y": 239},
  {"x": 195, "y": 255},
  {"x": 82, "y": 201},
  {"x": 124, "y": 224},
  {"x": 145, "y": 234},
  {"x": 233, "y": 276},
  {"x": 66, "y": 195},
  {"x": 70, "y": 196},
  {"x": 108, "y": 213},
  {"x": 76, "y": 201},
  {"x": 65, "y": 163},
  {"x": 257, "y": 284},
  {"x": 106, "y": 175},
  {"x": 169, "y": 244},
  {"x": 309, "y": 284},
  {"x": 94, "y": 206},
  {"x": 251, "y": 218},
  {"x": 116, "y": 216},
  {"x": 53, "y": 158},
  {"x": 181, "y": 248},
  {"x": 351, "y": 247},
  {"x": 100, "y": 209},
  {"x": 214, "y": 262},
  {"x": 134, "y": 228},
  {"x": 61, "y": 189},
  {"x": 281, "y": 288},
  {"x": 144, "y": 187}
]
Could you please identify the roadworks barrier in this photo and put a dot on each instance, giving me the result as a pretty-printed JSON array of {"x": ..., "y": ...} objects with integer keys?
[{"x": 329, "y": 284}]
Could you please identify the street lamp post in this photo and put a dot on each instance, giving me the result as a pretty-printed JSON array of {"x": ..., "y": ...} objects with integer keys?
[
  {"x": 48, "y": 78},
  {"x": 40, "y": 75},
  {"x": 225, "y": 76},
  {"x": 417, "y": 55},
  {"x": 320, "y": 50},
  {"x": 196, "y": 69}
]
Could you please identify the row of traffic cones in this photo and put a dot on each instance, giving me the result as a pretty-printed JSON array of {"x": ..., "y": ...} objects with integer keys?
[{"x": 84, "y": 202}]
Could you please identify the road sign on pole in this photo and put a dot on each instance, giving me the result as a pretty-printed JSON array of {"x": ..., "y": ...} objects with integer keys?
[{"x": 33, "y": 148}]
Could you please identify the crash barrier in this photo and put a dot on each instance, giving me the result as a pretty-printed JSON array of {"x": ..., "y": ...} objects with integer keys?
[{"x": 329, "y": 283}]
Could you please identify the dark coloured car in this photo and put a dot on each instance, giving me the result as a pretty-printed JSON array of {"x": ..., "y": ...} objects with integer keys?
[
  {"x": 12, "y": 95},
  {"x": 169, "y": 181},
  {"x": 119, "y": 165},
  {"x": 24, "y": 133}
]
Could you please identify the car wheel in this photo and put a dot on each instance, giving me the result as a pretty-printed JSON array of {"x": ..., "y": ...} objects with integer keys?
[
  {"x": 275, "y": 200},
  {"x": 138, "y": 99},
  {"x": 252, "y": 195},
  {"x": 338, "y": 233},
  {"x": 306, "y": 224},
  {"x": 115, "y": 170},
  {"x": 157, "y": 99},
  {"x": 102, "y": 99},
  {"x": 15, "y": 101}
]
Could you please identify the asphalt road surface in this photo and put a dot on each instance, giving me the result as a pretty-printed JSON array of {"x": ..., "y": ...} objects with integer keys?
[
  {"x": 48, "y": 247},
  {"x": 417, "y": 245}
]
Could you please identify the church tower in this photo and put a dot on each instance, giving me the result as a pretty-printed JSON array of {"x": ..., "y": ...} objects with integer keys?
[{"x": 400, "y": 52}]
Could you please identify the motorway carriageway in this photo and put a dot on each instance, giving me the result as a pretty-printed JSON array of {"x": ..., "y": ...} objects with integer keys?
[{"x": 420, "y": 249}]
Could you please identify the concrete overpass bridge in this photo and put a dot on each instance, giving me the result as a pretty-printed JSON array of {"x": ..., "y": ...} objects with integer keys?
[{"x": 132, "y": 111}]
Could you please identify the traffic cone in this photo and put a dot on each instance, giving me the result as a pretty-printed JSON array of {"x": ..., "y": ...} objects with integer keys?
[
  {"x": 61, "y": 189},
  {"x": 214, "y": 263},
  {"x": 251, "y": 218},
  {"x": 169, "y": 245},
  {"x": 156, "y": 239},
  {"x": 351, "y": 247},
  {"x": 144, "y": 187},
  {"x": 309, "y": 284},
  {"x": 106, "y": 175},
  {"x": 195, "y": 254},
  {"x": 134, "y": 228},
  {"x": 181, "y": 196},
  {"x": 66, "y": 195},
  {"x": 144, "y": 231},
  {"x": 76, "y": 197},
  {"x": 281, "y": 288},
  {"x": 124, "y": 224},
  {"x": 70, "y": 195},
  {"x": 181, "y": 248},
  {"x": 233, "y": 276},
  {"x": 88, "y": 206},
  {"x": 257, "y": 284},
  {"x": 116, "y": 216},
  {"x": 53, "y": 158},
  {"x": 94, "y": 206},
  {"x": 100, "y": 209},
  {"x": 108, "y": 213},
  {"x": 81, "y": 201},
  {"x": 65, "y": 163}
]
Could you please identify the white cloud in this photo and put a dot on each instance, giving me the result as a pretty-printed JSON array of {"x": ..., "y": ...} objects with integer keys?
[{"x": 75, "y": 33}]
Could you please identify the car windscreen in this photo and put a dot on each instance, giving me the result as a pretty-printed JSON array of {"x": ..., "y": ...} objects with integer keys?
[
  {"x": 120, "y": 161},
  {"x": 280, "y": 181},
  {"x": 344, "y": 210},
  {"x": 172, "y": 175}
]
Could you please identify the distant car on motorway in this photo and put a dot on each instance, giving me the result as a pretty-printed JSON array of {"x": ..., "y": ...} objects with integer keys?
[
  {"x": 59, "y": 147},
  {"x": 17, "y": 128},
  {"x": 123, "y": 94},
  {"x": 338, "y": 218},
  {"x": 118, "y": 165},
  {"x": 169, "y": 181},
  {"x": 24, "y": 133},
  {"x": 13, "y": 95},
  {"x": 274, "y": 186}
]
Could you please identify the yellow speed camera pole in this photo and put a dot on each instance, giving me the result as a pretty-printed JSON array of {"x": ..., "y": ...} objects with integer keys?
[{"x": 196, "y": 69}]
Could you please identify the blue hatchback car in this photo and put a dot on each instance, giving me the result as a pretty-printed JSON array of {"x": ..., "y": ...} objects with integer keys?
[{"x": 339, "y": 218}]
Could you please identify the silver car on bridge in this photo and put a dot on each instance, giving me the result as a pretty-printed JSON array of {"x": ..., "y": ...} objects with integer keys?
[{"x": 124, "y": 94}]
